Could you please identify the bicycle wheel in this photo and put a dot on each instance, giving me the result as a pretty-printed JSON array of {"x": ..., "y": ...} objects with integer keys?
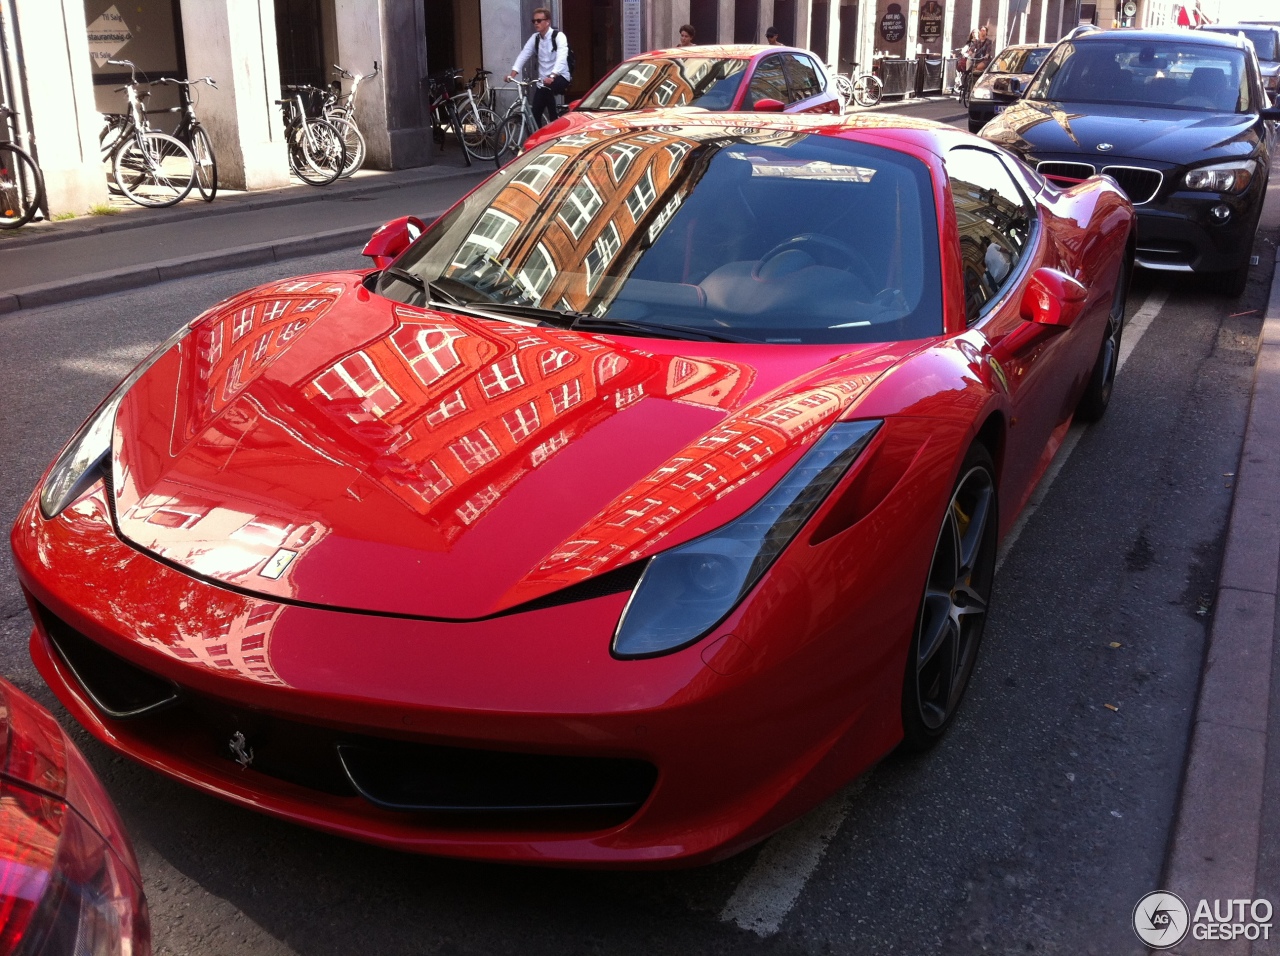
[
  {"x": 353, "y": 143},
  {"x": 844, "y": 89},
  {"x": 320, "y": 152},
  {"x": 511, "y": 135},
  {"x": 206, "y": 164},
  {"x": 866, "y": 90},
  {"x": 480, "y": 135},
  {"x": 154, "y": 169},
  {"x": 21, "y": 187}
]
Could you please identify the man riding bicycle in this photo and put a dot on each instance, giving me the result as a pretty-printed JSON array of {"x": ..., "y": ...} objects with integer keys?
[{"x": 552, "y": 49}]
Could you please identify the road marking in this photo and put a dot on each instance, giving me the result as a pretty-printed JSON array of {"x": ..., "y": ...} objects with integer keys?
[
  {"x": 774, "y": 883},
  {"x": 777, "y": 878}
]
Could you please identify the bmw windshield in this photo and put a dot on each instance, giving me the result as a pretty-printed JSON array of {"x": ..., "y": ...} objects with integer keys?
[{"x": 723, "y": 233}]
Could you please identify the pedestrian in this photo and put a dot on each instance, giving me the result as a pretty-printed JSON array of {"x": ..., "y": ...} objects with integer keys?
[
  {"x": 771, "y": 37},
  {"x": 550, "y": 48},
  {"x": 688, "y": 35}
]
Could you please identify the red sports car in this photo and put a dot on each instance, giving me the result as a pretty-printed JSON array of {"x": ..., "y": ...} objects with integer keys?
[
  {"x": 69, "y": 882},
  {"x": 618, "y": 518},
  {"x": 721, "y": 79}
]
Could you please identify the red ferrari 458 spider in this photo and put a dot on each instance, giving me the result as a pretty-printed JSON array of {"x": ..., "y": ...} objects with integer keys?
[{"x": 618, "y": 518}]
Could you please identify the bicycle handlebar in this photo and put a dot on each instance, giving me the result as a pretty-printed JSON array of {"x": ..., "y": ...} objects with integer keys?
[{"x": 169, "y": 79}]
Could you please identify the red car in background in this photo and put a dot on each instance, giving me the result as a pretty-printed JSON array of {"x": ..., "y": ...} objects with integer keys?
[
  {"x": 620, "y": 517},
  {"x": 69, "y": 881},
  {"x": 721, "y": 79}
]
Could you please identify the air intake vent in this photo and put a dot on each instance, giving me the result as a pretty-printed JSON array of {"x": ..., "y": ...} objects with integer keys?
[
  {"x": 1139, "y": 184},
  {"x": 117, "y": 688},
  {"x": 1065, "y": 175}
]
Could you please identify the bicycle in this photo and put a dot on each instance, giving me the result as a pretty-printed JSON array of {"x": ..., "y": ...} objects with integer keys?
[
  {"x": 519, "y": 122},
  {"x": 151, "y": 168},
  {"x": 191, "y": 132},
  {"x": 21, "y": 182},
  {"x": 316, "y": 151},
  {"x": 865, "y": 87},
  {"x": 844, "y": 86},
  {"x": 340, "y": 110},
  {"x": 482, "y": 90},
  {"x": 475, "y": 126}
]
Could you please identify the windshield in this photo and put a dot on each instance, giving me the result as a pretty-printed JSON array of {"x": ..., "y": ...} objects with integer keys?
[
  {"x": 1019, "y": 60},
  {"x": 710, "y": 83},
  {"x": 1141, "y": 72},
  {"x": 1264, "y": 41},
  {"x": 763, "y": 235}
]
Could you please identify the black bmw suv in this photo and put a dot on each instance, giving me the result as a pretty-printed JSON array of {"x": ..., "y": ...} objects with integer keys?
[{"x": 1181, "y": 122}]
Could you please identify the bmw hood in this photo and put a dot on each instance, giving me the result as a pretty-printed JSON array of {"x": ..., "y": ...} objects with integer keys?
[
  {"x": 1169, "y": 136},
  {"x": 313, "y": 442}
]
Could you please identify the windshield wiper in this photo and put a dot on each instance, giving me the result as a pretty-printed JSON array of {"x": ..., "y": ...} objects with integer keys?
[
  {"x": 598, "y": 323},
  {"x": 433, "y": 289}
]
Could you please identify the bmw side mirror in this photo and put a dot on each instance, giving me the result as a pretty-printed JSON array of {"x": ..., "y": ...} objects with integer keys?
[
  {"x": 392, "y": 239},
  {"x": 768, "y": 105},
  {"x": 1271, "y": 113},
  {"x": 1015, "y": 87},
  {"x": 1053, "y": 298}
]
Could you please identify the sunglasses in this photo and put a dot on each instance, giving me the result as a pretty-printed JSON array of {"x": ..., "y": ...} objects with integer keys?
[{"x": 539, "y": 19}]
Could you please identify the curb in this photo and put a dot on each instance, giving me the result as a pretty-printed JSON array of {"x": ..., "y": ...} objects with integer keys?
[
  {"x": 1215, "y": 845},
  {"x": 120, "y": 279},
  {"x": 241, "y": 202}
]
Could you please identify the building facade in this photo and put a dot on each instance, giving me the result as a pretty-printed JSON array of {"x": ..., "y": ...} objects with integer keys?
[{"x": 56, "y": 65}]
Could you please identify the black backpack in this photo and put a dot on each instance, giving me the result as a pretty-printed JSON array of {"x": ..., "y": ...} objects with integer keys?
[{"x": 570, "y": 61}]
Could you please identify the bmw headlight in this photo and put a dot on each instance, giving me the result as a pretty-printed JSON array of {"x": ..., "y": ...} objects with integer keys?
[
  {"x": 980, "y": 93},
  {"x": 687, "y": 591},
  {"x": 78, "y": 466},
  {"x": 1221, "y": 177}
]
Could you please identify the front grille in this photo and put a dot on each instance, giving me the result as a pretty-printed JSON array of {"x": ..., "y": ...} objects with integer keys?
[
  {"x": 1139, "y": 183},
  {"x": 453, "y": 786},
  {"x": 1065, "y": 174}
]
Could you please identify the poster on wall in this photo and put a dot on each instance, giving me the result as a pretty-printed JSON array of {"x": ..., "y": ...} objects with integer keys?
[
  {"x": 630, "y": 28},
  {"x": 107, "y": 36},
  {"x": 930, "y": 21},
  {"x": 893, "y": 25}
]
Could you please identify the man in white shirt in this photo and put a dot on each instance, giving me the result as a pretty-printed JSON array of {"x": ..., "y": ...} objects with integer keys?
[{"x": 552, "y": 49}]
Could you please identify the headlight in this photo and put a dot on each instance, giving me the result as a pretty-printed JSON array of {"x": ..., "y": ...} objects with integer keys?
[
  {"x": 1222, "y": 178},
  {"x": 687, "y": 591},
  {"x": 77, "y": 467},
  {"x": 980, "y": 93}
]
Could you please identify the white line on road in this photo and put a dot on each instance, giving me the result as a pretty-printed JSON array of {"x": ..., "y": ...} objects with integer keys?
[{"x": 777, "y": 878}]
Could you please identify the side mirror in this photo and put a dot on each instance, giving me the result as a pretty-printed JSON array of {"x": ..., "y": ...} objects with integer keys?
[
  {"x": 768, "y": 105},
  {"x": 1271, "y": 113},
  {"x": 392, "y": 239},
  {"x": 1053, "y": 298},
  {"x": 1015, "y": 86},
  {"x": 573, "y": 105}
]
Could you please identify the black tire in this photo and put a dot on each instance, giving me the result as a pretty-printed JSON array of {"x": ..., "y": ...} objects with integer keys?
[
  {"x": 154, "y": 169},
  {"x": 975, "y": 125},
  {"x": 1232, "y": 282},
  {"x": 867, "y": 89},
  {"x": 953, "y": 609},
  {"x": 511, "y": 136},
  {"x": 206, "y": 164},
  {"x": 480, "y": 135},
  {"x": 21, "y": 187},
  {"x": 317, "y": 154},
  {"x": 1097, "y": 394},
  {"x": 352, "y": 141}
]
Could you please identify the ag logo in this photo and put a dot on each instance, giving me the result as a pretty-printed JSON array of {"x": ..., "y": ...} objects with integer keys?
[{"x": 1161, "y": 919}]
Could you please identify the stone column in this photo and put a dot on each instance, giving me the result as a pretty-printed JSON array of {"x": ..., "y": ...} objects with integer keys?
[
  {"x": 51, "y": 39},
  {"x": 234, "y": 41},
  {"x": 390, "y": 108}
]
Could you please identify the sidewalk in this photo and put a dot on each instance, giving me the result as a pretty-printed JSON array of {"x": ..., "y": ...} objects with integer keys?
[
  {"x": 143, "y": 246},
  {"x": 1224, "y": 844}
]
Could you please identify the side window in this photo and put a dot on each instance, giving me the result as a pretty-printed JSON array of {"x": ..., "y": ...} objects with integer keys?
[
  {"x": 768, "y": 82},
  {"x": 802, "y": 78},
  {"x": 995, "y": 221}
]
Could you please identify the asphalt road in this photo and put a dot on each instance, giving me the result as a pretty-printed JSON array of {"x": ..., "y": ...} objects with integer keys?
[{"x": 1034, "y": 828}]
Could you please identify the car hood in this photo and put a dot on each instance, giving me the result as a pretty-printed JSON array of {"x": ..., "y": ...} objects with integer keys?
[
  {"x": 1173, "y": 136},
  {"x": 310, "y": 441}
]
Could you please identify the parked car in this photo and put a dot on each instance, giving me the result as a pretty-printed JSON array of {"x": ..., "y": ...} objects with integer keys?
[
  {"x": 737, "y": 77},
  {"x": 69, "y": 881},
  {"x": 1179, "y": 119},
  {"x": 1004, "y": 81},
  {"x": 620, "y": 517},
  {"x": 1266, "y": 43}
]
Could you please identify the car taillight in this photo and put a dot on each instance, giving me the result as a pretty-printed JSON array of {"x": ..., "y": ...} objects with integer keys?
[{"x": 64, "y": 887}]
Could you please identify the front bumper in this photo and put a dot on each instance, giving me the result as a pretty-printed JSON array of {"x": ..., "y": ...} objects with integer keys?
[{"x": 740, "y": 733}]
